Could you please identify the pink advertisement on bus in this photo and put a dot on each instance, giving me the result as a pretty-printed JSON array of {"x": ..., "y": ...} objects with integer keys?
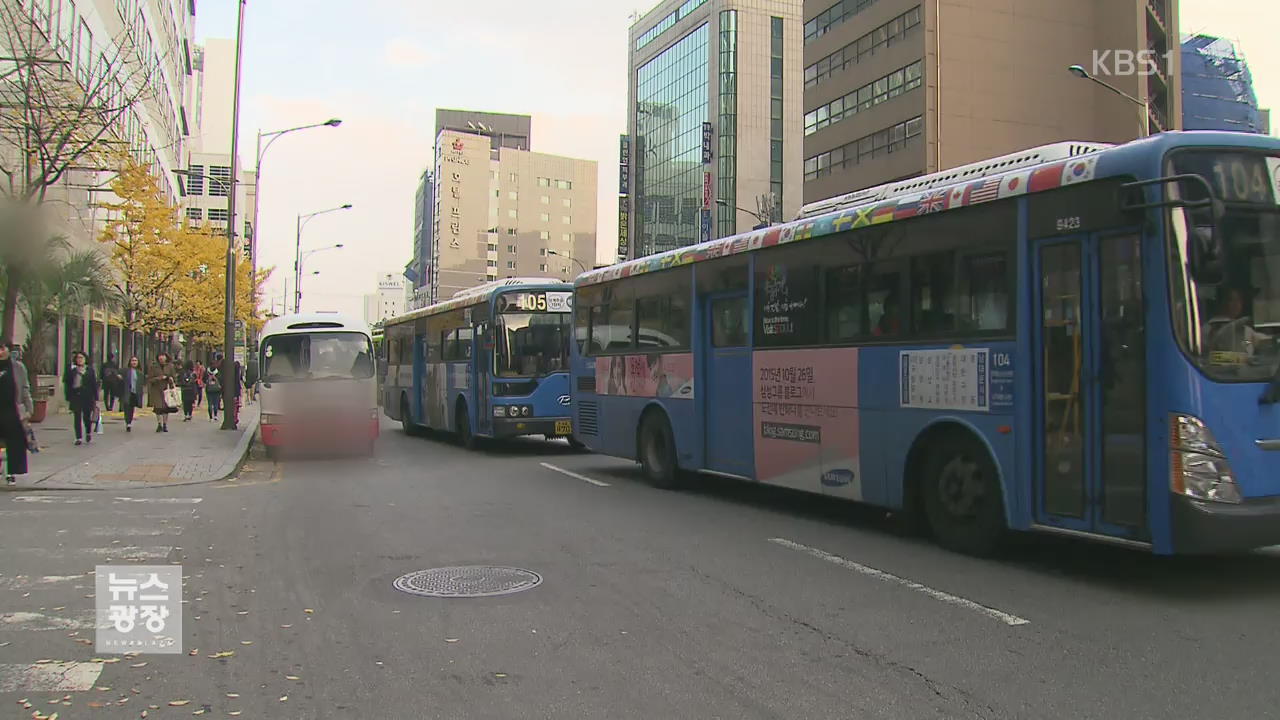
[
  {"x": 650, "y": 375},
  {"x": 805, "y": 409}
]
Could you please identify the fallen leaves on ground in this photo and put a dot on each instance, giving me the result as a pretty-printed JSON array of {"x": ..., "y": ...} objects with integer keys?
[
  {"x": 223, "y": 654},
  {"x": 178, "y": 703}
]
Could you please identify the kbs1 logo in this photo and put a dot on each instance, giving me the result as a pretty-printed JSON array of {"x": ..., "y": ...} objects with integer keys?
[{"x": 1131, "y": 62}]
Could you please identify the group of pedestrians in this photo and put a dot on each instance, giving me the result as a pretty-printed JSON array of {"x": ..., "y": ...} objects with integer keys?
[{"x": 194, "y": 383}]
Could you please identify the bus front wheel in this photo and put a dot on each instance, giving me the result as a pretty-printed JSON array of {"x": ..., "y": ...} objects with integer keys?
[
  {"x": 961, "y": 493},
  {"x": 657, "y": 450}
]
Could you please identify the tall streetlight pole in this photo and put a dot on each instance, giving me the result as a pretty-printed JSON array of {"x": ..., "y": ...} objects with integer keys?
[
  {"x": 297, "y": 252},
  {"x": 570, "y": 257},
  {"x": 302, "y": 262},
  {"x": 229, "y": 319},
  {"x": 259, "y": 152},
  {"x": 1144, "y": 124}
]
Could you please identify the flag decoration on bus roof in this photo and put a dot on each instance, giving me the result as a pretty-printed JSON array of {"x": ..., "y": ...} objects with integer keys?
[{"x": 950, "y": 197}]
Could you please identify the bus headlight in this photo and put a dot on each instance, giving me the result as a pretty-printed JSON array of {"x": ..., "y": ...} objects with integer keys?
[{"x": 1199, "y": 466}]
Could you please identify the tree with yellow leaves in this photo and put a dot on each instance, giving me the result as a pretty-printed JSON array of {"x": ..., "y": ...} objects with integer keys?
[{"x": 204, "y": 292}]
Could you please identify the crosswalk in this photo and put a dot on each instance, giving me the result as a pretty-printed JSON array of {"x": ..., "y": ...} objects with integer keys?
[{"x": 51, "y": 545}]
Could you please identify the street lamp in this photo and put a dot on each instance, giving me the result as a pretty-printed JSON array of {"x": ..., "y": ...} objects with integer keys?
[
  {"x": 302, "y": 260},
  {"x": 763, "y": 222},
  {"x": 297, "y": 252},
  {"x": 1143, "y": 123},
  {"x": 570, "y": 257}
]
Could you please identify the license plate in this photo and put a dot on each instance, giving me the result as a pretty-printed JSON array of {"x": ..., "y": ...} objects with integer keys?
[{"x": 564, "y": 427}]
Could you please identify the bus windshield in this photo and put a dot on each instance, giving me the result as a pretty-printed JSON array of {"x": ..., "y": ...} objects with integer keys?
[
  {"x": 317, "y": 356},
  {"x": 1239, "y": 319},
  {"x": 532, "y": 344}
]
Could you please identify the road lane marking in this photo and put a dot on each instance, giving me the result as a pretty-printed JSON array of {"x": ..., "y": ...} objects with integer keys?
[
  {"x": 122, "y": 532},
  {"x": 883, "y": 576},
  {"x": 52, "y": 499},
  {"x": 49, "y": 677},
  {"x": 40, "y": 621},
  {"x": 115, "y": 552},
  {"x": 574, "y": 475},
  {"x": 162, "y": 500},
  {"x": 21, "y": 582}
]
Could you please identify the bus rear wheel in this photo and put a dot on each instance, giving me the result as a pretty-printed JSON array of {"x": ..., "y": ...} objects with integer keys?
[
  {"x": 406, "y": 420},
  {"x": 657, "y": 451},
  {"x": 466, "y": 438},
  {"x": 961, "y": 494}
]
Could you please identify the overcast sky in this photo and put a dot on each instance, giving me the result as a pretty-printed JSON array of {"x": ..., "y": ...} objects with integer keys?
[{"x": 383, "y": 66}]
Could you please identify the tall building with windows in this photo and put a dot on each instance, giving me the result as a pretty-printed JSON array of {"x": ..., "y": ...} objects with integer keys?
[
  {"x": 1217, "y": 88},
  {"x": 89, "y": 50},
  {"x": 898, "y": 88},
  {"x": 417, "y": 272},
  {"x": 501, "y": 210},
  {"x": 713, "y": 109}
]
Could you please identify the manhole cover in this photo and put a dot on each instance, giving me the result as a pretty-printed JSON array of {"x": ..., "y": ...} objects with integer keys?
[{"x": 468, "y": 581}]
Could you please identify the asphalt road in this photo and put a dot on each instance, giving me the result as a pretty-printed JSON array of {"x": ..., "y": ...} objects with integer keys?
[{"x": 722, "y": 601}]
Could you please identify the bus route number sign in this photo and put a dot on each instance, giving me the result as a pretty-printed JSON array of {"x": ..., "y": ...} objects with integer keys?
[{"x": 556, "y": 302}]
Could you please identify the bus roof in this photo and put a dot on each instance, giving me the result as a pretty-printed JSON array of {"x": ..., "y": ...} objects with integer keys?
[
  {"x": 479, "y": 293},
  {"x": 313, "y": 322},
  {"x": 1029, "y": 171}
]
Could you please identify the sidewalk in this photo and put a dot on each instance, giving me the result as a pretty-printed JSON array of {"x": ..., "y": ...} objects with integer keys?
[{"x": 191, "y": 452}]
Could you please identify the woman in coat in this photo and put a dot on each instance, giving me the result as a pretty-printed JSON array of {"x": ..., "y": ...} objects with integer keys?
[
  {"x": 15, "y": 406},
  {"x": 160, "y": 377},
  {"x": 80, "y": 385},
  {"x": 187, "y": 381}
]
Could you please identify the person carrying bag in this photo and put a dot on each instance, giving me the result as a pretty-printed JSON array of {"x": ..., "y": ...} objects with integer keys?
[
  {"x": 15, "y": 407},
  {"x": 161, "y": 390}
]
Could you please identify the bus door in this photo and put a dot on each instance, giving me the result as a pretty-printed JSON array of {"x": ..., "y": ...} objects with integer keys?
[
  {"x": 1090, "y": 340},
  {"x": 419, "y": 375},
  {"x": 727, "y": 380},
  {"x": 481, "y": 375}
]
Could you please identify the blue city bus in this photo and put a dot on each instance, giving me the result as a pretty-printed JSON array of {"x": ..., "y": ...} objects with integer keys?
[
  {"x": 491, "y": 362},
  {"x": 1078, "y": 339}
]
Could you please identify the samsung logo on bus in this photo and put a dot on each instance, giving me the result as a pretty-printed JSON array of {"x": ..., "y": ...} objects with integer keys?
[{"x": 837, "y": 478}]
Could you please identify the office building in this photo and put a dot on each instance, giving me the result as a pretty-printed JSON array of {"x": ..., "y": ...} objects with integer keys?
[
  {"x": 898, "y": 88},
  {"x": 418, "y": 287},
  {"x": 501, "y": 210},
  {"x": 713, "y": 141},
  {"x": 1217, "y": 88},
  {"x": 78, "y": 48},
  {"x": 388, "y": 302}
]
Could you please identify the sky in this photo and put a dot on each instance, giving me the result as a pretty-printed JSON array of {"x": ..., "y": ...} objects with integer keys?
[{"x": 384, "y": 66}]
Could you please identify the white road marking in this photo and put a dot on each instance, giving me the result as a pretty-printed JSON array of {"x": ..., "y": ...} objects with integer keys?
[
  {"x": 187, "y": 501},
  {"x": 18, "y": 582},
  {"x": 52, "y": 499},
  {"x": 122, "y": 532},
  {"x": 41, "y": 621},
  {"x": 883, "y": 576},
  {"x": 117, "y": 552},
  {"x": 574, "y": 475},
  {"x": 49, "y": 677}
]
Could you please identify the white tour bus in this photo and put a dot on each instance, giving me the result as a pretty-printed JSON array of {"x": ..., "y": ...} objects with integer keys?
[{"x": 318, "y": 385}]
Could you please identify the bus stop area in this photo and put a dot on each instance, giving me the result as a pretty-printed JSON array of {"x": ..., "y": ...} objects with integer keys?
[{"x": 191, "y": 452}]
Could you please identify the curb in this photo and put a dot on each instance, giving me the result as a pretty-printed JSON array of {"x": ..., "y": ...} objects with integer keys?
[{"x": 228, "y": 468}]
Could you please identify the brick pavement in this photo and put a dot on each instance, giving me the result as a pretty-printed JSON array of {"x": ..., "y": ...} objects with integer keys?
[{"x": 195, "y": 451}]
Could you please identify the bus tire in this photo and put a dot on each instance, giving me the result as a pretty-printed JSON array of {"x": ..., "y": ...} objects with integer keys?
[
  {"x": 960, "y": 491},
  {"x": 656, "y": 449},
  {"x": 466, "y": 438}
]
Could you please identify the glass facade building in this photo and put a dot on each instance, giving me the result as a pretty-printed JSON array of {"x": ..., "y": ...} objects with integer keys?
[
  {"x": 727, "y": 159},
  {"x": 671, "y": 106}
]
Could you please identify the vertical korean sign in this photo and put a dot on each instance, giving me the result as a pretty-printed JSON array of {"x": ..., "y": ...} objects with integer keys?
[
  {"x": 708, "y": 187},
  {"x": 139, "y": 609},
  {"x": 624, "y": 192}
]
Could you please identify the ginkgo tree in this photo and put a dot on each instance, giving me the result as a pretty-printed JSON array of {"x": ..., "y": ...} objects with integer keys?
[{"x": 203, "y": 292}]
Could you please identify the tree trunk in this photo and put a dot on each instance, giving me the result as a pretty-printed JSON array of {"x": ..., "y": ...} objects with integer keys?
[{"x": 9, "y": 326}]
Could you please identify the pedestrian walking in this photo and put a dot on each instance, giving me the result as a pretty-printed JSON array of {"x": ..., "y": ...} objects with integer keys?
[
  {"x": 15, "y": 408},
  {"x": 199, "y": 383},
  {"x": 187, "y": 382},
  {"x": 131, "y": 382},
  {"x": 232, "y": 390},
  {"x": 213, "y": 388},
  {"x": 80, "y": 385},
  {"x": 161, "y": 376},
  {"x": 110, "y": 376},
  {"x": 251, "y": 379}
]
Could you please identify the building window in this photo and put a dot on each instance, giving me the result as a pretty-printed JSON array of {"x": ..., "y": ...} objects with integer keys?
[
  {"x": 511, "y": 231},
  {"x": 542, "y": 267},
  {"x": 775, "y": 118},
  {"x": 545, "y": 200},
  {"x": 831, "y": 17},
  {"x": 864, "y": 47},
  {"x": 891, "y": 139},
  {"x": 219, "y": 180},
  {"x": 667, "y": 22},
  {"x": 511, "y": 214},
  {"x": 218, "y": 215},
  {"x": 493, "y": 247},
  {"x": 873, "y": 93},
  {"x": 492, "y": 263},
  {"x": 670, "y": 106},
  {"x": 567, "y": 202},
  {"x": 566, "y": 237},
  {"x": 195, "y": 214},
  {"x": 511, "y": 248},
  {"x": 542, "y": 251},
  {"x": 544, "y": 217},
  {"x": 511, "y": 264},
  {"x": 544, "y": 182},
  {"x": 564, "y": 184},
  {"x": 544, "y": 235},
  {"x": 565, "y": 219},
  {"x": 513, "y": 195},
  {"x": 512, "y": 177},
  {"x": 195, "y": 181}
]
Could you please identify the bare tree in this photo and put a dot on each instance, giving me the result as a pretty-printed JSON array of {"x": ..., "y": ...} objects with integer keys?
[{"x": 64, "y": 106}]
